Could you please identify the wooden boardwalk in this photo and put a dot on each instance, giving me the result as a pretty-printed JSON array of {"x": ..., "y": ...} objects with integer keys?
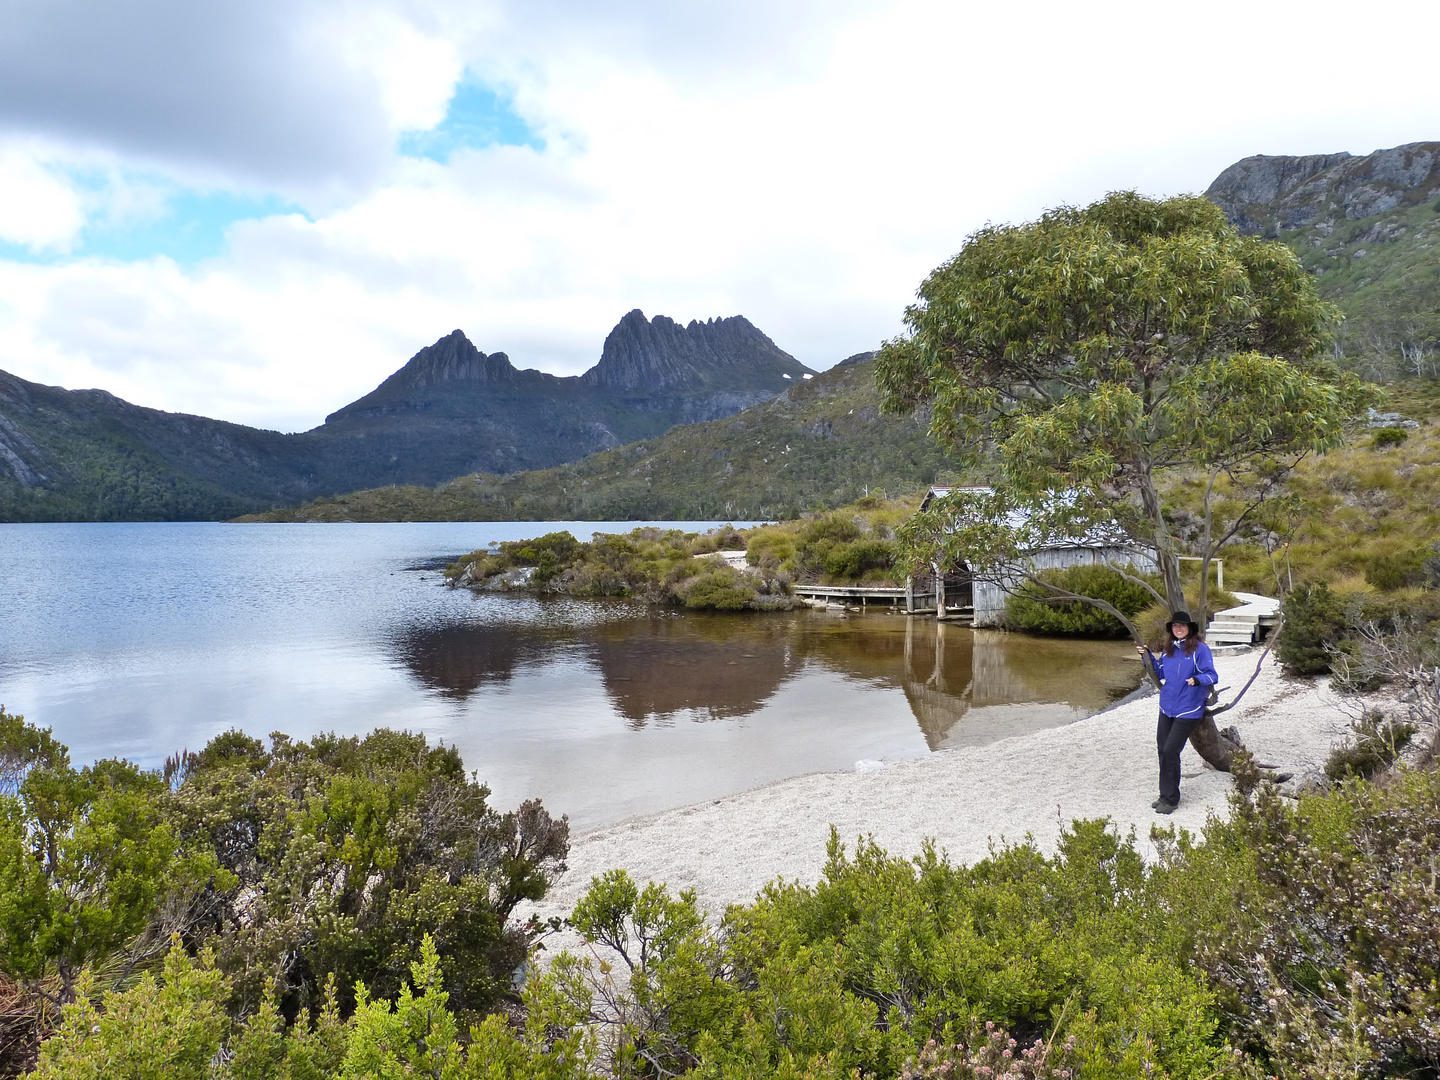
[
  {"x": 902, "y": 600},
  {"x": 1246, "y": 624}
]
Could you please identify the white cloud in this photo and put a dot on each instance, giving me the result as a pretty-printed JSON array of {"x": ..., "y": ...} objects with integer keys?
[
  {"x": 40, "y": 208},
  {"x": 804, "y": 165}
]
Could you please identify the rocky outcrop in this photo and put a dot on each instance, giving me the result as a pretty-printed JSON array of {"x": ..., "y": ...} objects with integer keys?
[
  {"x": 452, "y": 359},
  {"x": 660, "y": 354},
  {"x": 1368, "y": 229},
  {"x": 1268, "y": 194},
  {"x": 19, "y": 456}
]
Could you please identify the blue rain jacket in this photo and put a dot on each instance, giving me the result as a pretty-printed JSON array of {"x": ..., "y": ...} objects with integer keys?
[{"x": 1177, "y": 697}]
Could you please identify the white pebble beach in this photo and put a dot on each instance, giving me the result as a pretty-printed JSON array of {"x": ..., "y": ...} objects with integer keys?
[{"x": 966, "y": 799}]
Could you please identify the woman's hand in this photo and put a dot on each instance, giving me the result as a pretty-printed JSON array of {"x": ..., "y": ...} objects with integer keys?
[
  {"x": 1190, "y": 682},
  {"x": 1141, "y": 649}
]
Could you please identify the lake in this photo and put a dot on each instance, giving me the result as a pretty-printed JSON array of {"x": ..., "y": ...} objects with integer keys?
[{"x": 138, "y": 640}]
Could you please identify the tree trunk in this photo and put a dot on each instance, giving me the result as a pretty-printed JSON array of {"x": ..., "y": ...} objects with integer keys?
[
  {"x": 1164, "y": 545},
  {"x": 1214, "y": 745}
]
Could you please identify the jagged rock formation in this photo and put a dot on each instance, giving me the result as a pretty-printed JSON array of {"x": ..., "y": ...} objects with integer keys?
[
  {"x": 1260, "y": 194},
  {"x": 454, "y": 410},
  {"x": 452, "y": 359},
  {"x": 451, "y": 410},
  {"x": 661, "y": 354},
  {"x": 1368, "y": 228}
]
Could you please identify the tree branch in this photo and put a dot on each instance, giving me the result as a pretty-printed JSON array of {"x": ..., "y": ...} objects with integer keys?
[
  {"x": 1137, "y": 581},
  {"x": 1274, "y": 636}
]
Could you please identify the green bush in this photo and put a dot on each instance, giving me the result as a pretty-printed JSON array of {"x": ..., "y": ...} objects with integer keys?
[
  {"x": 1377, "y": 744},
  {"x": 835, "y": 546},
  {"x": 1398, "y": 571},
  {"x": 1028, "y": 610},
  {"x": 852, "y": 561},
  {"x": 1296, "y": 939},
  {"x": 655, "y": 565},
  {"x": 859, "y": 972},
  {"x": 175, "y": 1028},
  {"x": 834, "y": 528},
  {"x": 549, "y": 555},
  {"x": 1386, "y": 437},
  {"x": 1315, "y": 622},
  {"x": 292, "y": 863},
  {"x": 1328, "y": 967},
  {"x": 719, "y": 588}
]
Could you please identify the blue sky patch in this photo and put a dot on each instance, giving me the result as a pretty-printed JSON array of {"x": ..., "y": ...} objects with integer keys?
[
  {"x": 476, "y": 117},
  {"x": 191, "y": 227}
]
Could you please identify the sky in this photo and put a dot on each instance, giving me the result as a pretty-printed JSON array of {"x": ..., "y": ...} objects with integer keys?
[{"x": 258, "y": 209}]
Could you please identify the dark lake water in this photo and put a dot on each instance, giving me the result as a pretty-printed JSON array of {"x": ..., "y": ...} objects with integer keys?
[{"x": 140, "y": 640}]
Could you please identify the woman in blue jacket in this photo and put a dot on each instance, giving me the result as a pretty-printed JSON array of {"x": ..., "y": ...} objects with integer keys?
[{"x": 1187, "y": 672}]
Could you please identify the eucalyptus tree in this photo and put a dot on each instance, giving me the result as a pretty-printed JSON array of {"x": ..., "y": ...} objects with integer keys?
[{"x": 1100, "y": 356}]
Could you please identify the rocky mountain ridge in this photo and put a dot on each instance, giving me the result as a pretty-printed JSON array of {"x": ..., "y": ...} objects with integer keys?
[
  {"x": 719, "y": 353},
  {"x": 1368, "y": 228},
  {"x": 1267, "y": 194},
  {"x": 823, "y": 442},
  {"x": 450, "y": 410}
]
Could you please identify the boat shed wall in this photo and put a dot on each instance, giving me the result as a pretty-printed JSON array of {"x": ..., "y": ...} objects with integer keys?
[{"x": 990, "y": 595}]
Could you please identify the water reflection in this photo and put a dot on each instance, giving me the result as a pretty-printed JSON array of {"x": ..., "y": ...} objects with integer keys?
[
  {"x": 963, "y": 686},
  {"x": 707, "y": 668},
  {"x": 1002, "y": 684},
  {"x": 456, "y": 659}
]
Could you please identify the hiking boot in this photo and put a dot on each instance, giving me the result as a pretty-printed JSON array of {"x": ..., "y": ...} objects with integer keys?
[{"x": 1163, "y": 807}]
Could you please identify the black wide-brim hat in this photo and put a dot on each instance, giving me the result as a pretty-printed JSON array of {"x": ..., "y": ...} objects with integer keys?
[{"x": 1184, "y": 616}]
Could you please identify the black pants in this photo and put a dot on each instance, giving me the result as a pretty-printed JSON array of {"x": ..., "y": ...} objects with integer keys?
[{"x": 1170, "y": 738}]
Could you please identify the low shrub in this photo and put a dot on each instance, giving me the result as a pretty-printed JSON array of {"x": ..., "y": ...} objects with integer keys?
[
  {"x": 549, "y": 555},
  {"x": 1398, "y": 570},
  {"x": 992, "y": 1055},
  {"x": 834, "y": 528},
  {"x": 852, "y": 561},
  {"x": 718, "y": 588},
  {"x": 1028, "y": 609},
  {"x": 1297, "y": 938},
  {"x": 1327, "y": 963},
  {"x": 1386, "y": 437},
  {"x": 770, "y": 548},
  {"x": 1377, "y": 744},
  {"x": 823, "y": 544},
  {"x": 1315, "y": 624},
  {"x": 858, "y": 973},
  {"x": 656, "y": 565}
]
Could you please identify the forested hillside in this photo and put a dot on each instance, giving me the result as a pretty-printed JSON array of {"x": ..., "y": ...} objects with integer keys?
[
  {"x": 86, "y": 455},
  {"x": 821, "y": 443}
]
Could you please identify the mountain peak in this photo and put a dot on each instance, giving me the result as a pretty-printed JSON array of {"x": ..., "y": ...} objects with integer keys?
[
  {"x": 660, "y": 353},
  {"x": 452, "y": 359}
]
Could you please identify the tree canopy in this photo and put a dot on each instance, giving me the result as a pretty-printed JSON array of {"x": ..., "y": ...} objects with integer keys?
[{"x": 1090, "y": 351}]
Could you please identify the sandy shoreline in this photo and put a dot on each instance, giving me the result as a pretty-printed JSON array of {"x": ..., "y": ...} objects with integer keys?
[{"x": 1103, "y": 766}]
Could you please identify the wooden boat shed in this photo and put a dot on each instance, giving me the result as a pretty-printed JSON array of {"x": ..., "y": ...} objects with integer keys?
[{"x": 955, "y": 593}]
